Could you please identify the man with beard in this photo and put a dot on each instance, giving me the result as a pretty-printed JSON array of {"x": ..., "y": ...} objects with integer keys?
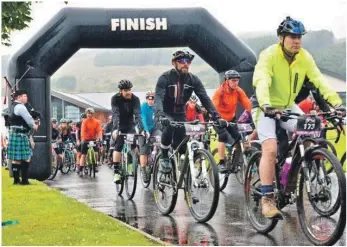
[{"x": 174, "y": 88}]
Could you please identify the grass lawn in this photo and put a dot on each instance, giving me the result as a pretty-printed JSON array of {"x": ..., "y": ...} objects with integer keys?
[{"x": 47, "y": 217}]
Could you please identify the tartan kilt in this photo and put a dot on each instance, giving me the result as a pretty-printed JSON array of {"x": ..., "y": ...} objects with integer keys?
[{"x": 18, "y": 147}]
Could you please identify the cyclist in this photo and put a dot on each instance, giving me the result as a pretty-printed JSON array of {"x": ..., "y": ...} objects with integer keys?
[
  {"x": 90, "y": 131},
  {"x": 225, "y": 100},
  {"x": 78, "y": 141},
  {"x": 278, "y": 78},
  {"x": 193, "y": 110},
  {"x": 107, "y": 130},
  {"x": 126, "y": 113},
  {"x": 174, "y": 88},
  {"x": 147, "y": 115}
]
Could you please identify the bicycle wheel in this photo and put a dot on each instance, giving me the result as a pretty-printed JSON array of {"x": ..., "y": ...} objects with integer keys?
[
  {"x": 253, "y": 197},
  {"x": 72, "y": 160},
  {"x": 54, "y": 169},
  {"x": 321, "y": 197},
  {"x": 66, "y": 166},
  {"x": 223, "y": 177},
  {"x": 120, "y": 186},
  {"x": 165, "y": 194},
  {"x": 242, "y": 164},
  {"x": 149, "y": 173},
  {"x": 343, "y": 160},
  {"x": 202, "y": 195},
  {"x": 130, "y": 178}
]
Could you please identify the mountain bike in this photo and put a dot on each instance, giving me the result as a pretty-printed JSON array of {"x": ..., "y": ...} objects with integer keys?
[
  {"x": 130, "y": 160},
  {"x": 299, "y": 184},
  {"x": 198, "y": 173},
  {"x": 68, "y": 162},
  {"x": 54, "y": 168},
  {"x": 237, "y": 155},
  {"x": 90, "y": 167}
]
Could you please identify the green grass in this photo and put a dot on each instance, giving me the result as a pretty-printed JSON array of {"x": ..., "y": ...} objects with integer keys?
[{"x": 47, "y": 217}]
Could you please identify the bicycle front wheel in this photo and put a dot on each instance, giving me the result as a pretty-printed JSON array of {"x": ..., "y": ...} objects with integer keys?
[
  {"x": 202, "y": 190},
  {"x": 66, "y": 166},
  {"x": 130, "y": 178},
  {"x": 322, "y": 206},
  {"x": 223, "y": 177}
]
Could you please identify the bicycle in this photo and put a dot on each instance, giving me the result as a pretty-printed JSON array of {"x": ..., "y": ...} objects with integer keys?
[
  {"x": 130, "y": 160},
  {"x": 291, "y": 188},
  {"x": 237, "y": 155},
  {"x": 91, "y": 164},
  {"x": 154, "y": 145},
  {"x": 194, "y": 171},
  {"x": 68, "y": 162}
]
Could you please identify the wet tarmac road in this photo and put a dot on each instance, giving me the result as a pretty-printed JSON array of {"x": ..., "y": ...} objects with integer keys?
[{"x": 229, "y": 226}]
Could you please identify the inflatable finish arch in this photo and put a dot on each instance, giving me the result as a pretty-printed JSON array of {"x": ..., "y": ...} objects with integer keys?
[{"x": 74, "y": 28}]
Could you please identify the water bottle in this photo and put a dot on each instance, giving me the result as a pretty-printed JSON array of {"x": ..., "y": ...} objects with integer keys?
[{"x": 285, "y": 170}]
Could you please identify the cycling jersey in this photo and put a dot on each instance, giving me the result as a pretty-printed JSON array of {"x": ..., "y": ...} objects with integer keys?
[
  {"x": 126, "y": 112},
  {"x": 147, "y": 115},
  {"x": 91, "y": 129},
  {"x": 193, "y": 113},
  {"x": 277, "y": 83},
  {"x": 225, "y": 99},
  {"x": 173, "y": 91}
]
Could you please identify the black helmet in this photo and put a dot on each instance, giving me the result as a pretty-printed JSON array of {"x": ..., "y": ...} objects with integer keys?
[
  {"x": 63, "y": 120},
  {"x": 182, "y": 54},
  {"x": 83, "y": 115},
  {"x": 125, "y": 84},
  {"x": 230, "y": 74},
  {"x": 54, "y": 120},
  {"x": 291, "y": 26},
  {"x": 193, "y": 98}
]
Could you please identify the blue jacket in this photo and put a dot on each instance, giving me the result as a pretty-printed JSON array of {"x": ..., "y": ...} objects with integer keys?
[{"x": 147, "y": 115}]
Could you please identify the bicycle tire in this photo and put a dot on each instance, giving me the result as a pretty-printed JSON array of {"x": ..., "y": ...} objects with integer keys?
[
  {"x": 65, "y": 163},
  {"x": 343, "y": 159},
  {"x": 325, "y": 143},
  {"x": 342, "y": 195},
  {"x": 171, "y": 207},
  {"x": 146, "y": 184},
  {"x": 120, "y": 186},
  {"x": 130, "y": 192},
  {"x": 270, "y": 224},
  {"x": 54, "y": 171},
  {"x": 240, "y": 175},
  {"x": 206, "y": 217},
  {"x": 224, "y": 180}
]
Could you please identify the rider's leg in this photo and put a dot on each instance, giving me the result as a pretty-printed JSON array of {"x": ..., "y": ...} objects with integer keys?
[
  {"x": 143, "y": 151},
  {"x": 222, "y": 140},
  {"x": 266, "y": 128},
  {"x": 166, "y": 140}
]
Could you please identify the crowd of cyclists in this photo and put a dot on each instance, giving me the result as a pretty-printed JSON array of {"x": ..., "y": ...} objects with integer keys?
[{"x": 286, "y": 79}]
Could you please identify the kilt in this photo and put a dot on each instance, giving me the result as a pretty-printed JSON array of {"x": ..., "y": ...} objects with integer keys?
[{"x": 18, "y": 146}]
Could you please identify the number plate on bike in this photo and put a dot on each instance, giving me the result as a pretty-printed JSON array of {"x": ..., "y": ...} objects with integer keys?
[
  {"x": 244, "y": 128},
  {"x": 193, "y": 129},
  {"x": 308, "y": 125},
  {"x": 105, "y": 142},
  {"x": 91, "y": 144},
  {"x": 130, "y": 137}
]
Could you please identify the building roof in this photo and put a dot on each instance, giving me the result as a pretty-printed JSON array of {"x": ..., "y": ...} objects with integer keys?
[{"x": 79, "y": 100}]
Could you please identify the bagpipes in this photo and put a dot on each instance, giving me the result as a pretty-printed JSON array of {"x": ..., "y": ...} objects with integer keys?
[{"x": 6, "y": 112}]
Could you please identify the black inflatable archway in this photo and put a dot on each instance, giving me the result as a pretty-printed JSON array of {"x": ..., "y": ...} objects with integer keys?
[{"x": 74, "y": 28}]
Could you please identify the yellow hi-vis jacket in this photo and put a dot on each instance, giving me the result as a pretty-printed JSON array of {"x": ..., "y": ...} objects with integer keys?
[{"x": 277, "y": 83}]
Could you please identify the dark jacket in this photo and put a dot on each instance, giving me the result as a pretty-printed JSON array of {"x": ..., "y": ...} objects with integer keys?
[
  {"x": 126, "y": 113},
  {"x": 173, "y": 91}
]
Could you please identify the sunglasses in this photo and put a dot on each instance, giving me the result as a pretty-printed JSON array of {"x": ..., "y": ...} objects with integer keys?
[
  {"x": 150, "y": 98},
  {"x": 184, "y": 61}
]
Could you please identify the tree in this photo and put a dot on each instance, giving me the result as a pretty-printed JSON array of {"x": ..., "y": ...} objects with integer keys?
[{"x": 14, "y": 16}]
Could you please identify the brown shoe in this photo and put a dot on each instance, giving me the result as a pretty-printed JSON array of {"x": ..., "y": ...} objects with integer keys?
[{"x": 269, "y": 209}]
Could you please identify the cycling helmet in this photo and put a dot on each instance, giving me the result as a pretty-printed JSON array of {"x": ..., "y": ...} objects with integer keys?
[
  {"x": 110, "y": 117},
  {"x": 150, "y": 94},
  {"x": 83, "y": 115},
  {"x": 291, "y": 26},
  {"x": 230, "y": 74},
  {"x": 63, "y": 120},
  {"x": 193, "y": 98},
  {"x": 54, "y": 120},
  {"x": 90, "y": 111},
  {"x": 125, "y": 84},
  {"x": 182, "y": 54}
]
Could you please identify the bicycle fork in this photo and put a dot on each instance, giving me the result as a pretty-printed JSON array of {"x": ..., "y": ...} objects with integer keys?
[{"x": 192, "y": 146}]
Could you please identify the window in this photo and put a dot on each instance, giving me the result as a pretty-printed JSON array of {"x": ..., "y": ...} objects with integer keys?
[{"x": 72, "y": 112}]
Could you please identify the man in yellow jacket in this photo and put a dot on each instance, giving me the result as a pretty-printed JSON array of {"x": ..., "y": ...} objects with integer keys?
[{"x": 278, "y": 78}]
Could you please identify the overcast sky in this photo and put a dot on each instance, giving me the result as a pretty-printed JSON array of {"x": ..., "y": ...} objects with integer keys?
[{"x": 238, "y": 16}]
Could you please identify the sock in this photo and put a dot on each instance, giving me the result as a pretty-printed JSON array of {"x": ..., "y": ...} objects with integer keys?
[
  {"x": 25, "y": 172},
  {"x": 16, "y": 170},
  {"x": 116, "y": 167},
  {"x": 267, "y": 190}
]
